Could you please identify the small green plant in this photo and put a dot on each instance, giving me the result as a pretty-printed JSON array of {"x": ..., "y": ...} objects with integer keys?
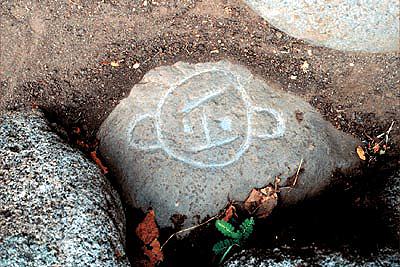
[{"x": 235, "y": 237}]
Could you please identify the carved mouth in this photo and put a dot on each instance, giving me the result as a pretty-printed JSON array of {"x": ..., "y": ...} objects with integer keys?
[{"x": 214, "y": 144}]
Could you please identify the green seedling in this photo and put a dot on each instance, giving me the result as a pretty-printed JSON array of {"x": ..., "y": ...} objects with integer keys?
[{"x": 235, "y": 237}]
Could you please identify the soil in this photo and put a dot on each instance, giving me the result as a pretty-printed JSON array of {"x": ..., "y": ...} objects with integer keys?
[{"x": 60, "y": 56}]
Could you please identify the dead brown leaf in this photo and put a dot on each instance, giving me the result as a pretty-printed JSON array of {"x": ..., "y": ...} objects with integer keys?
[
  {"x": 261, "y": 202},
  {"x": 254, "y": 197},
  {"x": 76, "y": 130},
  {"x": 230, "y": 211},
  {"x": 147, "y": 230},
  {"x": 114, "y": 64},
  {"x": 376, "y": 148},
  {"x": 154, "y": 254},
  {"x": 361, "y": 153}
]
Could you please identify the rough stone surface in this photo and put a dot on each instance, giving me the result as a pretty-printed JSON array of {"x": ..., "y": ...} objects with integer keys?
[
  {"x": 56, "y": 208},
  {"x": 312, "y": 257},
  {"x": 350, "y": 25},
  {"x": 188, "y": 137}
]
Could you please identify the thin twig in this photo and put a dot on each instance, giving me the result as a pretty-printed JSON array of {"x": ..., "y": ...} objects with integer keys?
[
  {"x": 189, "y": 229},
  {"x": 297, "y": 174},
  {"x": 388, "y": 131},
  {"x": 276, "y": 183}
]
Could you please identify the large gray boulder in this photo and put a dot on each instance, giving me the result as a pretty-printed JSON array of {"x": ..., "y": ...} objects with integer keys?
[
  {"x": 312, "y": 256},
  {"x": 56, "y": 208},
  {"x": 348, "y": 25},
  {"x": 188, "y": 137}
]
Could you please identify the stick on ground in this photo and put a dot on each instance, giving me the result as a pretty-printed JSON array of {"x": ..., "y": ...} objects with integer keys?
[{"x": 189, "y": 229}]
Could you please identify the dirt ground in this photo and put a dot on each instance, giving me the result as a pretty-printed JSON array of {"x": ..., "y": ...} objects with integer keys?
[
  {"x": 60, "y": 55},
  {"x": 56, "y": 54}
]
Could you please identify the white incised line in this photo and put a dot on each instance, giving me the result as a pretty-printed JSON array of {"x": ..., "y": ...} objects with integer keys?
[{"x": 250, "y": 110}]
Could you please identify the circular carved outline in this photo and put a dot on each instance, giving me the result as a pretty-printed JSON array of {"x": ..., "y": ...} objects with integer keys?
[{"x": 244, "y": 146}]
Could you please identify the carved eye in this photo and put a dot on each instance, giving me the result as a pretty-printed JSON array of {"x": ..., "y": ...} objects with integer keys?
[{"x": 225, "y": 123}]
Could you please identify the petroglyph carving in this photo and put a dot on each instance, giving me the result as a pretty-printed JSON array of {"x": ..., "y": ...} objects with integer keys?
[{"x": 203, "y": 129}]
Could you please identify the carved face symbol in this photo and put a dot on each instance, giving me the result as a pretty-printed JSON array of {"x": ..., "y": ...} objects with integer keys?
[{"x": 209, "y": 126}]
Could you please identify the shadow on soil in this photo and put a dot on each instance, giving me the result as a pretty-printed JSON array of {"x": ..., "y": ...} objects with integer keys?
[{"x": 345, "y": 218}]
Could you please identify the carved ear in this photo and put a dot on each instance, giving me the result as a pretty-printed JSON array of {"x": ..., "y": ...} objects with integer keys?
[
  {"x": 142, "y": 132},
  {"x": 267, "y": 123}
]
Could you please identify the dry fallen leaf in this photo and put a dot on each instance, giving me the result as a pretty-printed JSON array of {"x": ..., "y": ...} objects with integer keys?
[
  {"x": 361, "y": 153},
  {"x": 114, "y": 64},
  {"x": 254, "y": 197},
  {"x": 267, "y": 206},
  {"x": 376, "y": 148},
  {"x": 305, "y": 66},
  {"x": 154, "y": 254},
  {"x": 230, "y": 211},
  {"x": 103, "y": 168},
  {"x": 148, "y": 232},
  {"x": 76, "y": 130},
  {"x": 261, "y": 202}
]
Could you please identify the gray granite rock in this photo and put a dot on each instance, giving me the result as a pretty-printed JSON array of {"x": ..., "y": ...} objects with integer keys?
[
  {"x": 56, "y": 208},
  {"x": 350, "y": 25},
  {"x": 312, "y": 257},
  {"x": 188, "y": 137}
]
